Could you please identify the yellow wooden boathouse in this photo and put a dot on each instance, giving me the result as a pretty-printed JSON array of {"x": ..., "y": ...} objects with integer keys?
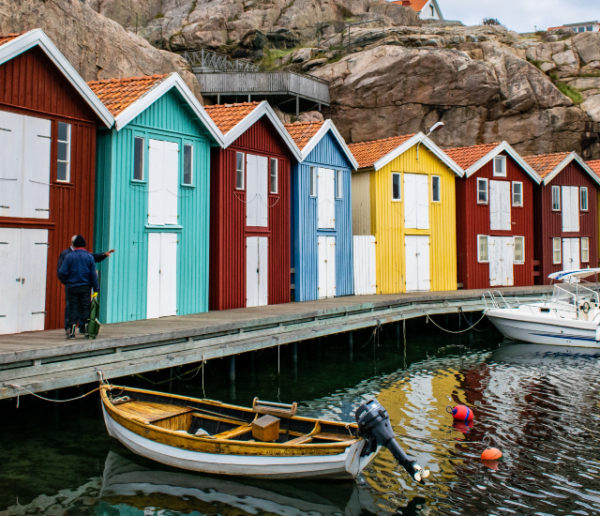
[{"x": 403, "y": 194}]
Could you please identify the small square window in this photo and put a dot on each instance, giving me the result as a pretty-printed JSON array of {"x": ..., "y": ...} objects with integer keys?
[
  {"x": 436, "y": 194},
  {"x": 482, "y": 248},
  {"x": 556, "y": 250},
  {"x": 585, "y": 249},
  {"x": 239, "y": 170},
  {"x": 517, "y": 193},
  {"x": 138, "y": 159},
  {"x": 556, "y": 198},
  {"x": 188, "y": 164},
  {"x": 583, "y": 198},
  {"x": 500, "y": 166},
  {"x": 482, "y": 190},
  {"x": 63, "y": 159},
  {"x": 519, "y": 249},
  {"x": 313, "y": 181},
  {"x": 339, "y": 183},
  {"x": 273, "y": 177},
  {"x": 396, "y": 192}
]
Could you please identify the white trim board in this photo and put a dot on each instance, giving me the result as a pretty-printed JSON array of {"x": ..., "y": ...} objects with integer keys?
[
  {"x": 573, "y": 156},
  {"x": 328, "y": 125}
]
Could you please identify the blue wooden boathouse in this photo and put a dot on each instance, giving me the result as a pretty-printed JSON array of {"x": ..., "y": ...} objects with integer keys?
[
  {"x": 322, "y": 258},
  {"x": 152, "y": 198}
]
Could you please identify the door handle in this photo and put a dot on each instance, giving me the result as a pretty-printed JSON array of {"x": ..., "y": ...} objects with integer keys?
[
  {"x": 22, "y": 281},
  {"x": 18, "y": 280}
]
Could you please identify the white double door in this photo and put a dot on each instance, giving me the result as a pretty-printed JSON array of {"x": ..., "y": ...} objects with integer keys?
[
  {"x": 416, "y": 201},
  {"x": 570, "y": 254},
  {"x": 162, "y": 275},
  {"x": 325, "y": 198},
  {"x": 326, "y": 266},
  {"x": 257, "y": 271},
  {"x": 500, "y": 203},
  {"x": 257, "y": 191},
  {"x": 501, "y": 254},
  {"x": 418, "y": 268},
  {"x": 23, "y": 259}
]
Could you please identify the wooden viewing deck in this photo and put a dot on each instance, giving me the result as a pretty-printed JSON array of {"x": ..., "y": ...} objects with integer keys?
[{"x": 45, "y": 360}]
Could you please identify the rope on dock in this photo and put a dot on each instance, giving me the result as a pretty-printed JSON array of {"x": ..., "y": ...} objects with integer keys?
[
  {"x": 19, "y": 387},
  {"x": 429, "y": 319}
]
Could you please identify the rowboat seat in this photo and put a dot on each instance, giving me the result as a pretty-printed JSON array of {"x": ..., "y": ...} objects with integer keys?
[
  {"x": 149, "y": 412},
  {"x": 234, "y": 432},
  {"x": 300, "y": 439}
]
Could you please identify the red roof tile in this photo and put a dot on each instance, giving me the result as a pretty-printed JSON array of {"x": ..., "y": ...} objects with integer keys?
[
  {"x": 302, "y": 132},
  {"x": 119, "y": 94},
  {"x": 227, "y": 116},
  {"x": 5, "y": 38},
  {"x": 467, "y": 156},
  {"x": 543, "y": 164},
  {"x": 595, "y": 166},
  {"x": 367, "y": 153},
  {"x": 415, "y": 5}
]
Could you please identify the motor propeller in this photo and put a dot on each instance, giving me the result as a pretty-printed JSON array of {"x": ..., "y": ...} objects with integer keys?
[{"x": 374, "y": 425}]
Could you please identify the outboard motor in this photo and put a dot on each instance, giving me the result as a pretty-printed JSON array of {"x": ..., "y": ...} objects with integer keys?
[{"x": 374, "y": 425}]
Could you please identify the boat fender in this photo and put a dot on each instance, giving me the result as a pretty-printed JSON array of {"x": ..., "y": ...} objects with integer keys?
[
  {"x": 460, "y": 413},
  {"x": 491, "y": 454},
  {"x": 585, "y": 307}
]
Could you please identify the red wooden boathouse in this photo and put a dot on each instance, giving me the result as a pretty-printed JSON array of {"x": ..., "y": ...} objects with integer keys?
[
  {"x": 250, "y": 207},
  {"x": 48, "y": 119},
  {"x": 494, "y": 216},
  {"x": 566, "y": 214}
]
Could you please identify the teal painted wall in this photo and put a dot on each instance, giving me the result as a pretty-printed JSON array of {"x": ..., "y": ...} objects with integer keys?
[{"x": 122, "y": 207}]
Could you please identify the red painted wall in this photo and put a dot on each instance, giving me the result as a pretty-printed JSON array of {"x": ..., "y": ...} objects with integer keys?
[
  {"x": 549, "y": 223},
  {"x": 31, "y": 85},
  {"x": 473, "y": 219},
  {"x": 228, "y": 222}
]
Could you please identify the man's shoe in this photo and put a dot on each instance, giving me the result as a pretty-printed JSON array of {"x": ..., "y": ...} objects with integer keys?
[{"x": 71, "y": 332}]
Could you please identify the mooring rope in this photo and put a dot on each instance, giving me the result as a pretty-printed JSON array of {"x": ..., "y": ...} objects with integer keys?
[
  {"x": 455, "y": 331},
  {"x": 15, "y": 386}
]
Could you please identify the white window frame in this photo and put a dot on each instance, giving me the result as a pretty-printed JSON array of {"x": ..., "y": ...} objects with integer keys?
[
  {"x": 518, "y": 202},
  {"x": 438, "y": 180},
  {"x": 583, "y": 195},
  {"x": 313, "y": 182},
  {"x": 480, "y": 239},
  {"x": 273, "y": 176},
  {"x": 67, "y": 161},
  {"x": 482, "y": 181},
  {"x": 240, "y": 173},
  {"x": 555, "y": 197},
  {"x": 399, "y": 176},
  {"x": 556, "y": 248},
  {"x": 339, "y": 184},
  {"x": 585, "y": 250},
  {"x": 142, "y": 156},
  {"x": 522, "y": 240},
  {"x": 190, "y": 181},
  {"x": 500, "y": 170}
]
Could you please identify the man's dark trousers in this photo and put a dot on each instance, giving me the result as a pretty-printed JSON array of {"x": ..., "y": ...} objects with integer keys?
[{"x": 78, "y": 305}]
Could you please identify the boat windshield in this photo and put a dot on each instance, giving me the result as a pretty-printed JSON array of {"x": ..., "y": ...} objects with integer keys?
[{"x": 573, "y": 294}]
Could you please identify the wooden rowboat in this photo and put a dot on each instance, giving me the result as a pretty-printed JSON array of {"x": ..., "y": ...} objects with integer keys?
[{"x": 268, "y": 440}]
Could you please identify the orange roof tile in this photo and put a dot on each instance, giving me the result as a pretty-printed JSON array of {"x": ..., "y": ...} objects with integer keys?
[
  {"x": 415, "y": 5},
  {"x": 5, "y": 38},
  {"x": 302, "y": 132},
  {"x": 119, "y": 94},
  {"x": 467, "y": 156},
  {"x": 227, "y": 116},
  {"x": 543, "y": 164},
  {"x": 595, "y": 166},
  {"x": 367, "y": 153}
]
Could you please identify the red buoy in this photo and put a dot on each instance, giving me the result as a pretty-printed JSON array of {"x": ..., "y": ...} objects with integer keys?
[
  {"x": 462, "y": 413},
  {"x": 491, "y": 454}
]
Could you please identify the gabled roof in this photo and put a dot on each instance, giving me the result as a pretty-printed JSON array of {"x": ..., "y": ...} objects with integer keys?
[
  {"x": 127, "y": 98},
  {"x": 308, "y": 134},
  {"x": 378, "y": 153},
  {"x": 548, "y": 166},
  {"x": 595, "y": 166},
  {"x": 233, "y": 120},
  {"x": 472, "y": 158},
  {"x": 418, "y": 5},
  {"x": 13, "y": 45}
]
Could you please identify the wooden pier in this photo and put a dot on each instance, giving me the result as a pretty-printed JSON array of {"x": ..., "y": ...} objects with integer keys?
[{"x": 45, "y": 360}]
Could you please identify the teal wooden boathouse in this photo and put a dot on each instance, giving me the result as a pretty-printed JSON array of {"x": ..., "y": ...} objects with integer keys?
[
  {"x": 152, "y": 198},
  {"x": 322, "y": 257}
]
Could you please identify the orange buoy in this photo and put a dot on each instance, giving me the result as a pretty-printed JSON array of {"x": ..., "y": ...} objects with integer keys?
[
  {"x": 461, "y": 413},
  {"x": 491, "y": 454}
]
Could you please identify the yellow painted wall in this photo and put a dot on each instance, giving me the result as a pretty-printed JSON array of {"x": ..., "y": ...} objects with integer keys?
[
  {"x": 387, "y": 223},
  {"x": 361, "y": 203}
]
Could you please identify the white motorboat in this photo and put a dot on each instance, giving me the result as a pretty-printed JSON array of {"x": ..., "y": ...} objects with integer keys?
[{"x": 571, "y": 317}]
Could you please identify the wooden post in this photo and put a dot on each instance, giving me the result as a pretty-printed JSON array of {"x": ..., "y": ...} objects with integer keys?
[
  {"x": 232, "y": 377},
  {"x": 351, "y": 346}
]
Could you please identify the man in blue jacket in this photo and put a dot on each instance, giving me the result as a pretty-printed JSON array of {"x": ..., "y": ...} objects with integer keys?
[{"x": 78, "y": 273}]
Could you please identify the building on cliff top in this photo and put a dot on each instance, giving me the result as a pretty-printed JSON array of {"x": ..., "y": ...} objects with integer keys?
[
  {"x": 589, "y": 26},
  {"x": 426, "y": 9}
]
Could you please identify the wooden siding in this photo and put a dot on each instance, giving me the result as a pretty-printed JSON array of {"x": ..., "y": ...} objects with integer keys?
[
  {"x": 328, "y": 154},
  {"x": 473, "y": 219},
  {"x": 387, "y": 223},
  {"x": 228, "y": 230},
  {"x": 122, "y": 220},
  {"x": 31, "y": 85},
  {"x": 549, "y": 223}
]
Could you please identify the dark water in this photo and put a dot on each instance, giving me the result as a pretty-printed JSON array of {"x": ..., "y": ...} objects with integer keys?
[{"x": 539, "y": 405}]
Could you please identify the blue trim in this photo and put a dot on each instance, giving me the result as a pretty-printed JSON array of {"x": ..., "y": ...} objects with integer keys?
[{"x": 572, "y": 337}]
